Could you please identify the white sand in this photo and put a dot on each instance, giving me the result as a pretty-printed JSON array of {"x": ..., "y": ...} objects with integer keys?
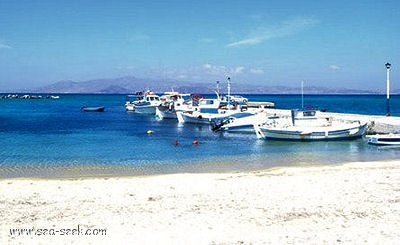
[{"x": 354, "y": 203}]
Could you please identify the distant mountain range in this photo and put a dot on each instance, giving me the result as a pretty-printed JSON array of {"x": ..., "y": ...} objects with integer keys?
[{"x": 129, "y": 85}]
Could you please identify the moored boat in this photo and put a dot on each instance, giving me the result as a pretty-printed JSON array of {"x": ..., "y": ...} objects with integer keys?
[
  {"x": 93, "y": 108},
  {"x": 145, "y": 103},
  {"x": 207, "y": 111},
  {"x": 242, "y": 122},
  {"x": 172, "y": 102},
  {"x": 384, "y": 139},
  {"x": 306, "y": 125}
]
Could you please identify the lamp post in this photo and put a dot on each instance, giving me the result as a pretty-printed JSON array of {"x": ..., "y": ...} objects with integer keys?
[{"x": 387, "y": 88}]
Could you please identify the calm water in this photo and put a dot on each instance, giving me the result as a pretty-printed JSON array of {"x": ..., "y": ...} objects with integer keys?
[{"x": 54, "y": 138}]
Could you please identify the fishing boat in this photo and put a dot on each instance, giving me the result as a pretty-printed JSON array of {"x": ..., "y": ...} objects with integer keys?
[
  {"x": 242, "y": 122},
  {"x": 203, "y": 112},
  {"x": 145, "y": 103},
  {"x": 172, "y": 102},
  {"x": 93, "y": 108},
  {"x": 307, "y": 125},
  {"x": 384, "y": 139},
  {"x": 206, "y": 111},
  {"x": 131, "y": 99}
]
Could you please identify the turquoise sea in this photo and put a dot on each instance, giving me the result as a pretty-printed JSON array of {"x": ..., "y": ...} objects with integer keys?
[{"x": 54, "y": 138}]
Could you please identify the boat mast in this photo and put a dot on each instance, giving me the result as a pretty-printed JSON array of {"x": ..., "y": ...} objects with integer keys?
[
  {"x": 229, "y": 91},
  {"x": 302, "y": 94},
  {"x": 218, "y": 97}
]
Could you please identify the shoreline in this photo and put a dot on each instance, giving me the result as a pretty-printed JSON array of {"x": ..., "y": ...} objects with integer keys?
[
  {"x": 356, "y": 202},
  {"x": 205, "y": 167}
]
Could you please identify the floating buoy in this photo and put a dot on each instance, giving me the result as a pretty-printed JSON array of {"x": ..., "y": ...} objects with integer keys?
[
  {"x": 150, "y": 131},
  {"x": 195, "y": 142}
]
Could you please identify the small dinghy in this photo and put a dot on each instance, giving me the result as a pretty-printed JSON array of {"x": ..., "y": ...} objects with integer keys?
[
  {"x": 93, "y": 108},
  {"x": 384, "y": 139}
]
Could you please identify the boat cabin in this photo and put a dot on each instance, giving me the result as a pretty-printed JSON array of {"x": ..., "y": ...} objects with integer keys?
[{"x": 309, "y": 117}]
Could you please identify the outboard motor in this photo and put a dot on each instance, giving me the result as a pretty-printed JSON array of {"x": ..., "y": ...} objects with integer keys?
[{"x": 217, "y": 124}]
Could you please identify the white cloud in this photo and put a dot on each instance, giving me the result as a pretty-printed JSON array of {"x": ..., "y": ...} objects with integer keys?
[
  {"x": 256, "y": 71},
  {"x": 334, "y": 67},
  {"x": 3, "y": 45},
  {"x": 223, "y": 70},
  {"x": 248, "y": 41},
  {"x": 286, "y": 28},
  {"x": 207, "y": 71},
  {"x": 215, "y": 70},
  {"x": 238, "y": 70}
]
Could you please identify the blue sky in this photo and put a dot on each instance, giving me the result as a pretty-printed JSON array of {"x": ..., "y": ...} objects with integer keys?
[{"x": 329, "y": 43}]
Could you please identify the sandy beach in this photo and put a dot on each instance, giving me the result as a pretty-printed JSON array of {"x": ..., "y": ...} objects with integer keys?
[{"x": 352, "y": 203}]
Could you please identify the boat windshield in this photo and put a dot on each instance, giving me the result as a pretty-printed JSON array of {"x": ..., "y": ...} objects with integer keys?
[{"x": 308, "y": 113}]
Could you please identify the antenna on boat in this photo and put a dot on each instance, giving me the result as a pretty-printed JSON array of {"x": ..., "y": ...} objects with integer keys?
[
  {"x": 229, "y": 91},
  {"x": 217, "y": 90},
  {"x": 302, "y": 94}
]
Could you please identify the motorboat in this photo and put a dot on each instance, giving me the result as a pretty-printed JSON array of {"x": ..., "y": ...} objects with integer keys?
[
  {"x": 384, "y": 139},
  {"x": 235, "y": 99},
  {"x": 307, "y": 125},
  {"x": 145, "y": 103},
  {"x": 131, "y": 100},
  {"x": 93, "y": 108},
  {"x": 206, "y": 112},
  {"x": 242, "y": 122},
  {"x": 54, "y": 97},
  {"x": 129, "y": 106},
  {"x": 172, "y": 102},
  {"x": 202, "y": 111}
]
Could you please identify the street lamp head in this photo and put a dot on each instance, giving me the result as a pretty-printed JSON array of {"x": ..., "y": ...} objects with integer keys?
[{"x": 388, "y": 65}]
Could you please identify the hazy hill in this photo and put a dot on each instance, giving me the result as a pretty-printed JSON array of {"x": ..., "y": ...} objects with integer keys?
[{"x": 127, "y": 85}]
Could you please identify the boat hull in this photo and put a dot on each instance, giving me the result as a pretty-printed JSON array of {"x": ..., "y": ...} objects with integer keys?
[
  {"x": 384, "y": 140},
  {"x": 130, "y": 106},
  {"x": 244, "y": 124},
  {"x": 247, "y": 128},
  {"x": 146, "y": 109},
  {"x": 162, "y": 113},
  {"x": 184, "y": 117},
  {"x": 319, "y": 134},
  {"x": 93, "y": 109},
  {"x": 202, "y": 118}
]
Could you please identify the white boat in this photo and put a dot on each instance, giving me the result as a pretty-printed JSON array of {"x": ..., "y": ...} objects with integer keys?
[
  {"x": 130, "y": 102},
  {"x": 306, "y": 125},
  {"x": 202, "y": 111},
  {"x": 242, "y": 122},
  {"x": 235, "y": 99},
  {"x": 172, "y": 102},
  {"x": 207, "y": 111},
  {"x": 384, "y": 139},
  {"x": 54, "y": 97},
  {"x": 146, "y": 103}
]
